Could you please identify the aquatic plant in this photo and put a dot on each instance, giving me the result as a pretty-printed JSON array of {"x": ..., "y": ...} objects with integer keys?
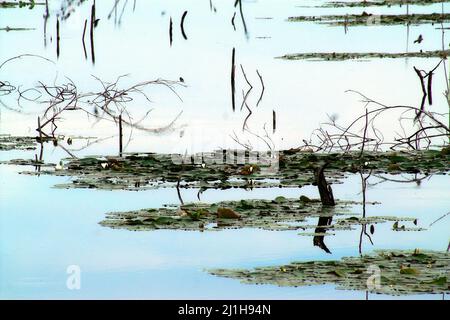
[
  {"x": 368, "y": 19},
  {"x": 278, "y": 214},
  {"x": 341, "y": 56},
  {"x": 397, "y": 273},
  {"x": 378, "y": 3},
  {"x": 8, "y": 142}
]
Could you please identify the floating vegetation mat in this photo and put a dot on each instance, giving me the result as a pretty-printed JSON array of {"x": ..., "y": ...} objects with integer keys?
[
  {"x": 20, "y": 4},
  {"x": 38, "y": 164},
  {"x": 278, "y": 214},
  {"x": 8, "y": 29},
  {"x": 340, "y": 56},
  {"x": 8, "y": 142},
  {"x": 379, "y": 3},
  {"x": 289, "y": 168},
  {"x": 368, "y": 19},
  {"x": 401, "y": 273}
]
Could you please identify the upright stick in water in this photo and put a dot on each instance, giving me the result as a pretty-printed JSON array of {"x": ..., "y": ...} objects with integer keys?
[
  {"x": 170, "y": 31},
  {"x": 233, "y": 86},
  {"x": 57, "y": 38},
  {"x": 120, "y": 136},
  {"x": 92, "y": 32},
  {"x": 325, "y": 191},
  {"x": 274, "y": 121}
]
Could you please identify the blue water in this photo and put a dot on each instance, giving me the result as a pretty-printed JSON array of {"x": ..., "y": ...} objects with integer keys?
[{"x": 44, "y": 230}]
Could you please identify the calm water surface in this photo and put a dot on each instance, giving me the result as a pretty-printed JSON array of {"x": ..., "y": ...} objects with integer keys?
[{"x": 43, "y": 229}]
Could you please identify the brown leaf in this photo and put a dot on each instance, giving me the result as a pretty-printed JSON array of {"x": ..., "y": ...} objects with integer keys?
[{"x": 226, "y": 213}]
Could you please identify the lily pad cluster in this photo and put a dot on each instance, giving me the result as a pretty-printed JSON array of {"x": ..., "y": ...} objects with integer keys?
[
  {"x": 386, "y": 272},
  {"x": 293, "y": 168},
  {"x": 20, "y": 4},
  {"x": 341, "y": 56},
  {"x": 144, "y": 171},
  {"x": 8, "y": 143},
  {"x": 368, "y": 19},
  {"x": 378, "y": 3},
  {"x": 278, "y": 214},
  {"x": 427, "y": 161}
]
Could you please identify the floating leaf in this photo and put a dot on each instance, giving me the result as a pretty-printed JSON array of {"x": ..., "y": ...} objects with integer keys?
[
  {"x": 226, "y": 213},
  {"x": 280, "y": 199},
  {"x": 441, "y": 281},
  {"x": 406, "y": 270}
]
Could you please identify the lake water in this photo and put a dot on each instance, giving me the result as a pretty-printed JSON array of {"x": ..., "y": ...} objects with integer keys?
[{"x": 43, "y": 230}]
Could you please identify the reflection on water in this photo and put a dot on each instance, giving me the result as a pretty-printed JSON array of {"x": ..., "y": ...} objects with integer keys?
[
  {"x": 231, "y": 91},
  {"x": 139, "y": 46}
]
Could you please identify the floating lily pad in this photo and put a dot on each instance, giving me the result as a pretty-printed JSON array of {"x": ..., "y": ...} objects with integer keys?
[{"x": 401, "y": 273}]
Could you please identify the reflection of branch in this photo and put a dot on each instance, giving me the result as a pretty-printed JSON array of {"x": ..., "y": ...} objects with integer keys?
[
  {"x": 424, "y": 92},
  {"x": 82, "y": 39},
  {"x": 263, "y": 139},
  {"x": 24, "y": 56},
  {"x": 319, "y": 240},
  {"x": 247, "y": 146},
  {"x": 440, "y": 218},
  {"x": 364, "y": 226},
  {"x": 170, "y": 31},
  {"x": 262, "y": 90},
  {"x": 327, "y": 199},
  {"x": 248, "y": 91},
  {"x": 232, "y": 21},
  {"x": 242, "y": 16},
  {"x": 416, "y": 179},
  {"x": 179, "y": 193},
  {"x": 90, "y": 143},
  {"x": 182, "y": 25},
  {"x": 247, "y": 117},
  {"x": 333, "y": 136},
  {"x": 107, "y": 104}
]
